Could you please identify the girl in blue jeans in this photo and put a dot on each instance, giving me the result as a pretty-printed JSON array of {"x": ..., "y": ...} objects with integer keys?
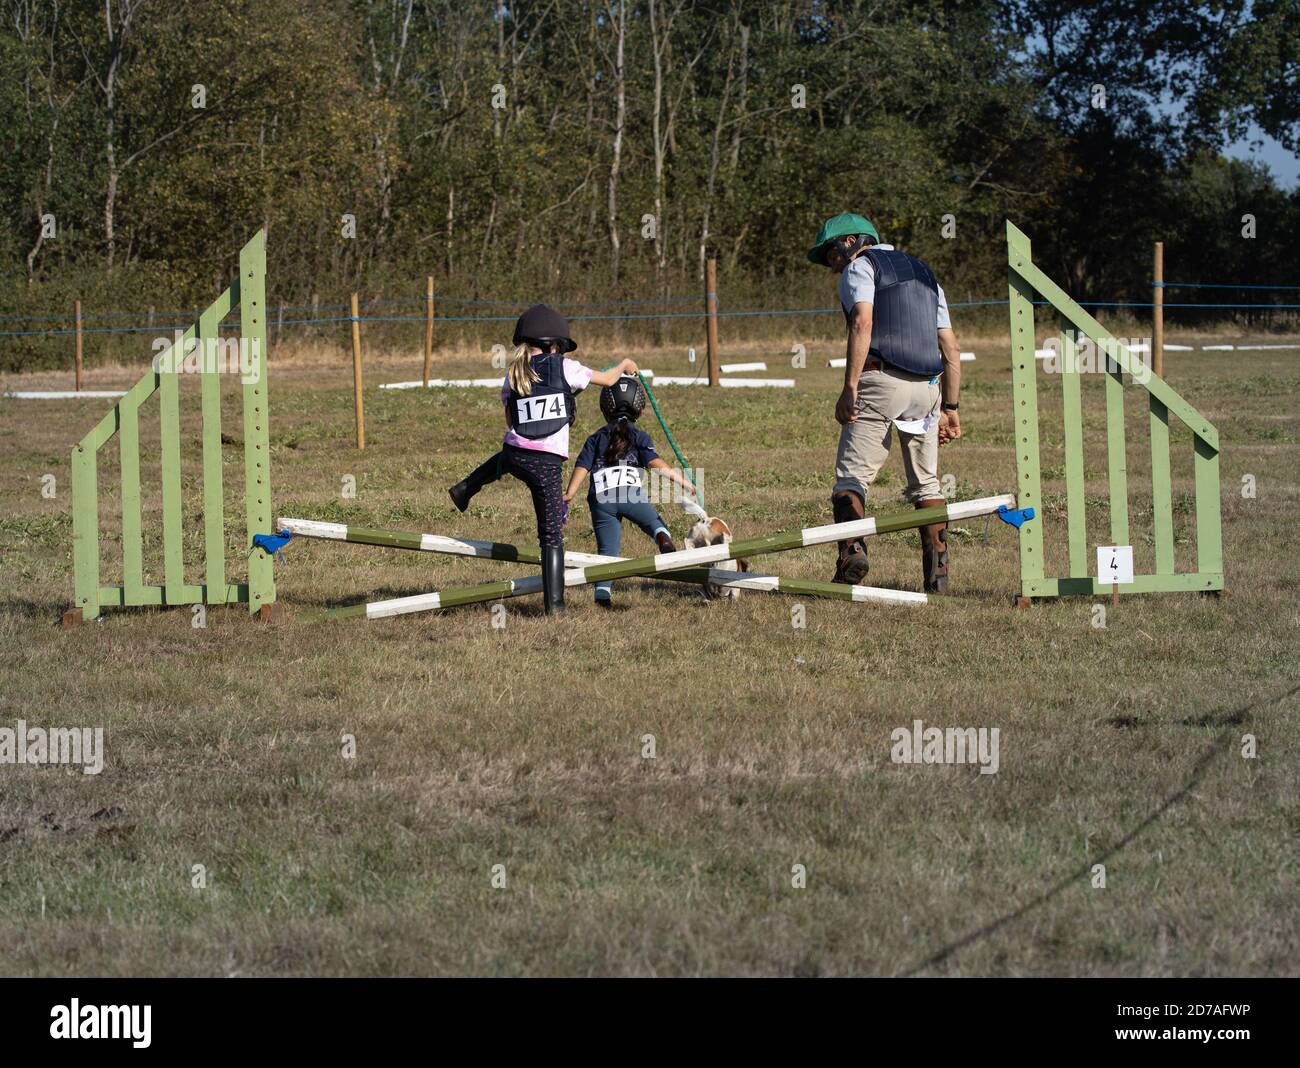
[{"x": 614, "y": 456}]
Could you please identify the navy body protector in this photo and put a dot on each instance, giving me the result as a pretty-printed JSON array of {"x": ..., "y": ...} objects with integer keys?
[
  {"x": 549, "y": 408},
  {"x": 905, "y": 312}
]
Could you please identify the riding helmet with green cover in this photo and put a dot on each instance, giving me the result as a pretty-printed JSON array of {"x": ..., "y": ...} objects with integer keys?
[{"x": 840, "y": 226}]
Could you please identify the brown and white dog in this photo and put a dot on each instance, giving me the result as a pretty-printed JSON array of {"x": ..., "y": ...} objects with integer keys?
[{"x": 713, "y": 531}]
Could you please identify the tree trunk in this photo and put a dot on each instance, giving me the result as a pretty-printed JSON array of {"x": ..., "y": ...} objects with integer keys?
[
  {"x": 451, "y": 226},
  {"x": 714, "y": 155},
  {"x": 656, "y": 133},
  {"x": 116, "y": 43},
  {"x": 616, "y": 158}
]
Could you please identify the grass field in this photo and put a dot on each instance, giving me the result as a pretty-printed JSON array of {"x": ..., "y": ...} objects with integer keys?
[{"x": 522, "y": 746}]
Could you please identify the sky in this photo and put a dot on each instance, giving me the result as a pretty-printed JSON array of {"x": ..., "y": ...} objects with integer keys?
[{"x": 1284, "y": 165}]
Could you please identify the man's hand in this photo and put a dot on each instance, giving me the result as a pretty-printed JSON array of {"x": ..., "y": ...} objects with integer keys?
[
  {"x": 846, "y": 408},
  {"x": 949, "y": 426}
]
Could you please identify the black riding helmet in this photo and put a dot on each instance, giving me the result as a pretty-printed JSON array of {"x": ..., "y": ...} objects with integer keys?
[
  {"x": 624, "y": 397},
  {"x": 542, "y": 325}
]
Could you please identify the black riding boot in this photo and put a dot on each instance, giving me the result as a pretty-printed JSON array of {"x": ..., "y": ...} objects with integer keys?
[
  {"x": 553, "y": 579},
  {"x": 463, "y": 491}
]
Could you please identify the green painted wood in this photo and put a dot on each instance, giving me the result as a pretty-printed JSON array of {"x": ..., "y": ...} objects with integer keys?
[
  {"x": 1024, "y": 403},
  {"x": 155, "y": 596},
  {"x": 352, "y": 611},
  {"x": 169, "y": 414},
  {"x": 889, "y": 524},
  {"x": 227, "y": 302},
  {"x": 1072, "y": 417},
  {"x": 1028, "y": 281},
  {"x": 85, "y": 498},
  {"x": 835, "y": 591},
  {"x": 1183, "y": 582},
  {"x": 214, "y": 506},
  {"x": 1162, "y": 508},
  {"x": 140, "y": 597},
  {"x": 105, "y": 429},
  {"x": 123, "y": 420},
  {"x": 401, "y": 539},
  {"x": 1209, "y": 526},
  {"x": 128, "y": 440},
  {"x": 1116, "y": 456},
  {"x": 85, "y": 528},
  {"x": 257, "y": 439},
  {"x": 1130, "y": 363}
]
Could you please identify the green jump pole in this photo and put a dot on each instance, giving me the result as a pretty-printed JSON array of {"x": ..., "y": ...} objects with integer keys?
[
  {"x": 429, "y": 543},
  {"x": 685, "y": 558},
  {"x": 495, "y": 550}
]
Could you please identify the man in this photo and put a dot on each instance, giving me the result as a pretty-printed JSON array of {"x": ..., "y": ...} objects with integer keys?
[{"x": 903, "y": 372}]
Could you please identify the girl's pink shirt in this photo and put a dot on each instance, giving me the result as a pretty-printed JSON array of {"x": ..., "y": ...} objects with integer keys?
[{"x": 578, "y": 377}]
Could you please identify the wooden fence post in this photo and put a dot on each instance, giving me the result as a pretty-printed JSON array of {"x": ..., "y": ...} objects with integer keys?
[
  {"x": 428, "y": 328},
  {"x": 356, "y": 374},
  {"x": 77, "y": 312},
  {"x": 711, "y": 313}
]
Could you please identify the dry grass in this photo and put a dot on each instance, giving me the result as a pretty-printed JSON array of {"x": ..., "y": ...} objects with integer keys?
[{"x": 522, "y": 746}]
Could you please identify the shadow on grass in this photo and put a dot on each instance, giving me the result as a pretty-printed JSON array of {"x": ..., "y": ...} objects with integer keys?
[{"x": 1233, "y": 719}]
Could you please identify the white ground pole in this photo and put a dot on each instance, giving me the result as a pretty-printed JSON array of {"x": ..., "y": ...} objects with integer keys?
[
  {"x": 733, "y": 368},
  {"x": 454, "y": 383},
  {"x": 63, "y": 394},
  {"x": 727, "y": 383},
  {"x": 437, "y": 543},
  {"x": 464, "y": 383}
]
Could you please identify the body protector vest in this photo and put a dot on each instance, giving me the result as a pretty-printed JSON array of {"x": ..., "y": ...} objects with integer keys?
[
  {"x": 904, "y": 330},
  {"x": 619, "y": 482},
  {"x": 549, "y": 408}
]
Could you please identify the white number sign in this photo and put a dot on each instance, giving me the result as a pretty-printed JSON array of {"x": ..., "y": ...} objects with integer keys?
[
  {"x": 608, "y": 479},
  {"x": 537, "y": 409},
  {"x": 1115, "y": 564}
]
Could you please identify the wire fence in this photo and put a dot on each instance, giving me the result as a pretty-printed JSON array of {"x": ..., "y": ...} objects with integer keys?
[{"x": 186, "y": 319}]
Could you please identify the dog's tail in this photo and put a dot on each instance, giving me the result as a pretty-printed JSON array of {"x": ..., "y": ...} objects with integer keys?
[{"x": 693, "y": 509}]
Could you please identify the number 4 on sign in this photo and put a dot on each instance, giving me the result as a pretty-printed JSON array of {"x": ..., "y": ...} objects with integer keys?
[{"x": 1115, "y": 564}]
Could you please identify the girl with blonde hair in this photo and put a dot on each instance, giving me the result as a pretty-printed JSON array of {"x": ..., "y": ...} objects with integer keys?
[{"x": 538, "y": 395}]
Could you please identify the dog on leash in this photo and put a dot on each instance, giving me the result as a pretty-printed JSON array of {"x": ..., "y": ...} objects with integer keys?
[{"x": 714, "y": 531}]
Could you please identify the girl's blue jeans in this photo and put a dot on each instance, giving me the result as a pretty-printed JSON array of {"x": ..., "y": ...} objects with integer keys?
[{"x": 607, "y": 521}]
